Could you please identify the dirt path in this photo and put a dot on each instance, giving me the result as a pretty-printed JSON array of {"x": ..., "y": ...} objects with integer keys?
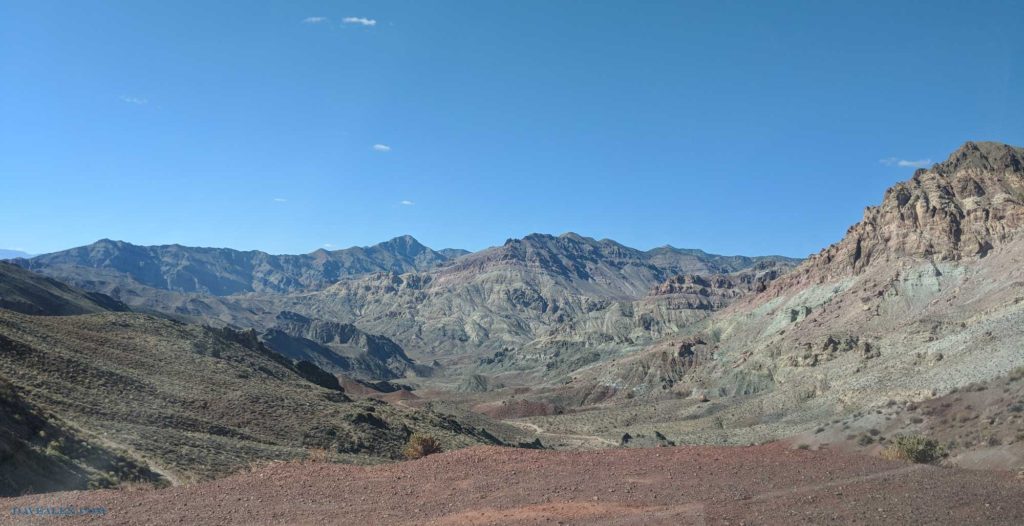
[
  {"x": 587, "y": 441},
  {"x": 489, "y": 485}
]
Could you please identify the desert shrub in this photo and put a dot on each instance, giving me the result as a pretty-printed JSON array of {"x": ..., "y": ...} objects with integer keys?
[
  {"x": 914, "y": 448},
  {"x": 55, "y": 448},
  {"x": 103, "y": 481},
  {"x": 317, "y": 455},
  {"x": 1017, "y": 374},
  {"x": 420, "y": 446},
  {"x": 865, "y": 440}
]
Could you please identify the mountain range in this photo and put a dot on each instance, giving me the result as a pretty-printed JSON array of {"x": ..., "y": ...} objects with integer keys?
[
  {"x": 222, "y": 272},
  {"x": 576, "y": 341},
  {"x": 454, "y": 310},
  {"x": 622, "y": 271}
]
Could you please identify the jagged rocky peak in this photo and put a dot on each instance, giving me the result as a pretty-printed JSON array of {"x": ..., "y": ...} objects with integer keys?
[
  {"x": 569, "y": 241},
  {"x": 960, "y": 208},
  {"x": 404, "y": 245},
  {"x": 983, "y": 156}
]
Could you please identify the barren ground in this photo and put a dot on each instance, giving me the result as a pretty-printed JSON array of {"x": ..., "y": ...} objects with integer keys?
[{"x": 486, "y": 485}]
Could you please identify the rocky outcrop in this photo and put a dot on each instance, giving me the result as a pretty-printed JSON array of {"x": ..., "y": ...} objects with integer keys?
[
  {"x": 669, "y": 364},
  {"x": 958, "y": 209},
  {"x": 921, "y": 296},
  {"x": 715, "y": 291},
  {"x": 811, "y": 354}
]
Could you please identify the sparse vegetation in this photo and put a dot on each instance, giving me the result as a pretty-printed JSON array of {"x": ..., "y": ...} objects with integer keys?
[
  {"x": 914, "y": 448},
  {"x": 216, "y": 437},
  {"x": 317, "y": 455},
  {"x": 54, "y": 448},
  {"x": 420, "y": 446},
  {"x": 137, "y": 485}
]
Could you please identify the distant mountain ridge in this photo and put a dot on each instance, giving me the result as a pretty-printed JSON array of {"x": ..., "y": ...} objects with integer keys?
[
  {"x": 602, "y": 268},
  {"x": 431, "y": 304},
  {"x": 224, "y": 271}
]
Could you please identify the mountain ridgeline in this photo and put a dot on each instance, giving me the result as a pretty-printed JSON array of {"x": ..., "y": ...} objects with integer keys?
[
  {"x": 222, "y": 271},
  {"x": 446, "y": 305}
]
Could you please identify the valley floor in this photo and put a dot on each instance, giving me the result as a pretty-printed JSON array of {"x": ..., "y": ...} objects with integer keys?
[{"x": 769, "y": 484}]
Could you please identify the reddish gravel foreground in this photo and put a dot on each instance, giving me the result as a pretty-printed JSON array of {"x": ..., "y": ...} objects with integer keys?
[{"x": 487, "y": 485}]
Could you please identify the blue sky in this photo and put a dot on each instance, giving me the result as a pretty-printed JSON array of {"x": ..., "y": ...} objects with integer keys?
[{"x": 736, "y": 127}]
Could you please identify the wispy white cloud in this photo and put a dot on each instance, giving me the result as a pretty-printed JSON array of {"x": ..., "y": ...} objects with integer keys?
[
  {"x": 368, "y": 22},
  {"x": 134, "y": 100},
  {"x": 381, "y": 148},
  {"x": 406, "y": 202},
  {"x": 314, "y": 20},
  {"x": 903, "y": 163},
  {"x": 328, "y": 245},
  {"x": 280, "y": 200}
]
